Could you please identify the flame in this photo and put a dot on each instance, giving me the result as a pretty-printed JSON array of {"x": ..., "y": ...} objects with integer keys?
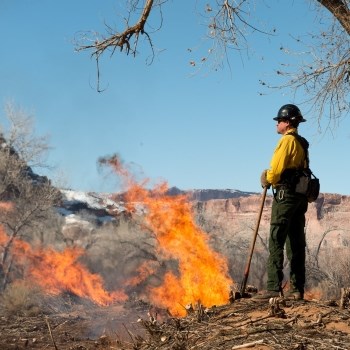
[
  {"x": 3, "y": 237},
  {"x": 143, "y": 271},
  {"x": 313, "y": 294},
  {"x": 57, "y": 272},
  {"x": 6, "y": 206},
  {"x": 202, "y": 273}
]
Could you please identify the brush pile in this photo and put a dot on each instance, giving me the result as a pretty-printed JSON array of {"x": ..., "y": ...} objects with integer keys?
[{"x": 276, "y": 324}]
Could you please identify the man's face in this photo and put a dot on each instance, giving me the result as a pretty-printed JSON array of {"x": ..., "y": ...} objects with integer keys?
[{"x": 282, "y": 126}]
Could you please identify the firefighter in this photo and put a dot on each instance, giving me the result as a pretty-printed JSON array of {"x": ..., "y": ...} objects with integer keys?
[{"x": 287, "y": 226}]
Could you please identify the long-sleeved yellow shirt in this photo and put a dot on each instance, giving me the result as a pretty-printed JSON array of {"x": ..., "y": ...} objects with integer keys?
[{"x": 289, "y": 153}]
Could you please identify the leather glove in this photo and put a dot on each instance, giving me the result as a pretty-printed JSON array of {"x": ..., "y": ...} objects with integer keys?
[{"x": 263, "y": 180}]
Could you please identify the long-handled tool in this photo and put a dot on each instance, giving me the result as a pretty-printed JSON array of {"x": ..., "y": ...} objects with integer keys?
[{"x": 247, "y": 268}]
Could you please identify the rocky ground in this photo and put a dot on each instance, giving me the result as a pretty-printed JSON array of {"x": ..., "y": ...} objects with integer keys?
[{"x": 244, "y": 324}]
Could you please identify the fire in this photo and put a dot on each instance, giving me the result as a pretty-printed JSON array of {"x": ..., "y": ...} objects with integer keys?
[
  {"x": 144, "y": 270},
  {"x": 313, "y": 294},
  {"x": 202, "y": 274},
  {"x": 6, "y": 206},
  {"x": 57, "y": 272}
]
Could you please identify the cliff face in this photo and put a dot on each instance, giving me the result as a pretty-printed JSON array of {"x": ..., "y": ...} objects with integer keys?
[
  {"x": 230, "y": 224},
  {"x": 327, "y": 219},
  {"x": 231, "y": 215}
]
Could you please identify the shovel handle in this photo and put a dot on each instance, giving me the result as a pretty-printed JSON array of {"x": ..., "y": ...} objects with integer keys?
[{"x": 247, "y": 268}]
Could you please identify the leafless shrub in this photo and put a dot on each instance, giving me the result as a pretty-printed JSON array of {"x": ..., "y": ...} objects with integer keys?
[
  {"x": 119, "y": 250},
  {"x": 32, "y": 196},
  {"x": 331, "y": 273},
  {"x": 21, "y": 299}
]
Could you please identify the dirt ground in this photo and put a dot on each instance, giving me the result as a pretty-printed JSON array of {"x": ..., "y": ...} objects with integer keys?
[{"x": 244, "y": 324}]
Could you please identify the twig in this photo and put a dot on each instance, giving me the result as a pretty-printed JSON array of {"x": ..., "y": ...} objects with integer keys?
[
  {"x": 248, "y": 345},
  {"x": 61, "y": 324},
  {"x": 129, "y": 333},
  {"x": 48, "y": 326},
  {"x": 294, "y": 319},
  {"x": 253, "y": 321},
  {"x": 337, "y": 347}
]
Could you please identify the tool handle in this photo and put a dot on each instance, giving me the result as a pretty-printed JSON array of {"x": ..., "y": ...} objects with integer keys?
[{"x": 247, "y": 268}]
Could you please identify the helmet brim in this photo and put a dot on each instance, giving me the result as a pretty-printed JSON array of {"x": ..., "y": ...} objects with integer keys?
[{"x": 302, "y": 120}]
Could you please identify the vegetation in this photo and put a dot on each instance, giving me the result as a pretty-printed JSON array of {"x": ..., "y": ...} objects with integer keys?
[
  {"x": 30, "y": 197},
  {"x": 322, "y": 75}
]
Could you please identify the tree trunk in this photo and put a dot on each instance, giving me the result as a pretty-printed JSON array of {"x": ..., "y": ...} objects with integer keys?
[{"x": 339, "y": 10}]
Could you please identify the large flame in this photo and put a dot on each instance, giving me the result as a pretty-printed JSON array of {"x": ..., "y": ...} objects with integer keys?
[
  {"x": 58, "y": 272},
  {"x": 202, "y": 273}
]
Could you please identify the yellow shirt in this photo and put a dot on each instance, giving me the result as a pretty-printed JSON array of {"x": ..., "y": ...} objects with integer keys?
[{"x": 288, "y": 154}]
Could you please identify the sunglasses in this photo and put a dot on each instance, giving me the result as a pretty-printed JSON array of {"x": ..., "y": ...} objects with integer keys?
[{"x": 281, "y": 120}]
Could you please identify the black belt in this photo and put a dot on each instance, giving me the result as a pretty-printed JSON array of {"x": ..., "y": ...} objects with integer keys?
[{"x": 282, "y": 187}]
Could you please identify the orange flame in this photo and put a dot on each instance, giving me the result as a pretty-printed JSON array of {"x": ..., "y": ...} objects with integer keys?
[
  {"x": 202, "y": 273},
  {"x": 6, "y": 206},
  {"x": 313, "y": 294},
  {"x": 57, "y": 272},
  {"x": 144, "y": 270}
]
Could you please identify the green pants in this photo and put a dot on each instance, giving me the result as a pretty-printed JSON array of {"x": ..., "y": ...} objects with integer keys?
[{"x": 287, "y": 227}]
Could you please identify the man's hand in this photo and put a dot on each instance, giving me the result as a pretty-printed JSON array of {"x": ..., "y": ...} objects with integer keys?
[{"x": 263, "y": 180}]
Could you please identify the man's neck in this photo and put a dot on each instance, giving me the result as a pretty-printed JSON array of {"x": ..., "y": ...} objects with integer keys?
[{"x": 289, "y": 130}]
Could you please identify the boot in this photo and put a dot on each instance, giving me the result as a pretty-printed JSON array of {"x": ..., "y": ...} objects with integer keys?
[
  {"x": 266, "y": 295},
  {"x": 294, "y": 294}
]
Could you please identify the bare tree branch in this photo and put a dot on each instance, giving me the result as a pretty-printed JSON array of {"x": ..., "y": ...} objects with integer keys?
[
  {"x": 340, "y": 10},
  {"x": 122, "y": 39},
  {"x": 323, "y": 77},
  {"x": 127, "y": 41}
]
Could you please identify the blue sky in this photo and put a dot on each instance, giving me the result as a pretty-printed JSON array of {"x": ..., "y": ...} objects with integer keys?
[{"x": 203, "y": 130}]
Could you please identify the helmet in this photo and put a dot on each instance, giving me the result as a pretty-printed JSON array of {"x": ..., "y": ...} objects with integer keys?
[{"x": 290, "y": 112}]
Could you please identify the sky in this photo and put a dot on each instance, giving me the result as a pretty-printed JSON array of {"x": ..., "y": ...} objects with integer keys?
[{"x": 168, "y": 121}]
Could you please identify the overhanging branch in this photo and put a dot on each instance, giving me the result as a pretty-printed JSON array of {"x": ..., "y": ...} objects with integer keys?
[{"x": 122, "y": 39}]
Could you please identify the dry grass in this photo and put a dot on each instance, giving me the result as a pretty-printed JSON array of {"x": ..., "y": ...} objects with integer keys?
[{"x": 20, "y": 299}]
